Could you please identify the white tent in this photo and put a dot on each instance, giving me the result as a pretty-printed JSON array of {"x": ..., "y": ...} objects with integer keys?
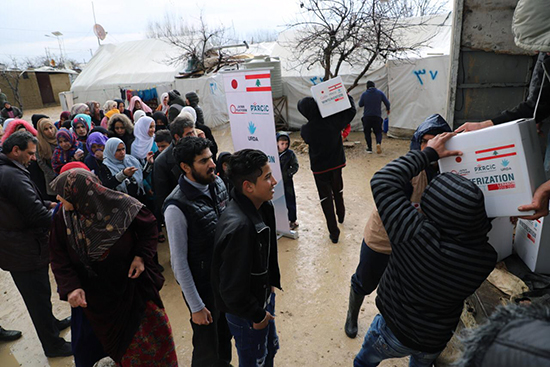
[
  {"x": 128, "y": 65},
  {"x": 142, "y": 64}
]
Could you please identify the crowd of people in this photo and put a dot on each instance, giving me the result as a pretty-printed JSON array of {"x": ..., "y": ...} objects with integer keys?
[{"x": 89, "y": 193}]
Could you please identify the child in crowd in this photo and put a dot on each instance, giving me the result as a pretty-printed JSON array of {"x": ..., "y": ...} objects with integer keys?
[
  {"x": 289, "y": 167},
  {"x": 163, "y": 140}
]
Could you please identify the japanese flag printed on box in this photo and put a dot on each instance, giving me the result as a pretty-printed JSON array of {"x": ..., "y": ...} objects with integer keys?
[
  {"x": 505, "y": 161},
  {"x": 250, "y": 106},
  {"x": 532, "y": 244},
  {"x": 331, "y": 96}
]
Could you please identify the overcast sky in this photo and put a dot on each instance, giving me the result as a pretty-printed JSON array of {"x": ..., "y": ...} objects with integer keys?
[{"x": 24, "y": 23}]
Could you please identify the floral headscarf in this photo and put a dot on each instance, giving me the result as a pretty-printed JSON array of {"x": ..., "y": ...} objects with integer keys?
[
  {"x": 60, "y": 157},
  {"x": 79, "y": 108},
  {"x": 100, "y": 216}
]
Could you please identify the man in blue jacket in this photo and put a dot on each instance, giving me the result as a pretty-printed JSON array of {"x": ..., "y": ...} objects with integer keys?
[{"x": 372, "y": 114}]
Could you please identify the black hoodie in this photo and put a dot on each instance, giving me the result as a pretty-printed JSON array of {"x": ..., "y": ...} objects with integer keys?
[{"x": 324, "y": 135}]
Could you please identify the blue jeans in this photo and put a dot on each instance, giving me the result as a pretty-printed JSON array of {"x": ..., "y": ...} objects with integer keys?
[
  {"x": 380, "y": 343},
  {"x": 256, "y": 348}
]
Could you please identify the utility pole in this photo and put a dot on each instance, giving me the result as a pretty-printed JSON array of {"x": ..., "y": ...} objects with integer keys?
[{"x": 95, "y": 22}]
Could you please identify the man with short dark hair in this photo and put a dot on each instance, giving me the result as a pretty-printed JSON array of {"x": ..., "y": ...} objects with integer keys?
[
  {"x": 191, "y": 212},
  {"x": 371, "y": 100},
  {"x": 245, "y": 268},
  {"x": 25, "y": 220},
  {"x": 166, "y": 171}
]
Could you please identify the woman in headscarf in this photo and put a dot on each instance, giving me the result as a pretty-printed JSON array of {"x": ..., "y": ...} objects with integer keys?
[
  {"x": 138, "y": 114},
  {"x": 137, "y": 104},
  {"x": 108, "y": 115},
  {"x": 176, "y": 103},
  {"x": 95, "y": 112},
  {"x": 44, "y": 152},
  {"x": 68, "y": 149},
  {"x": 163, "y": 106},
  {"x": 121, "y": 127},
  {"x": 144, "y": 142},
  {"x": 79, "y": 108},
  {"x": 161, "y": 121},
  {"x": 63, "y": 117},
  {"x": 126, "y": 174},
  {"x": 196, "y": 112},
  {"x": 81, "y": 129},
  {"x": 37, "y": 117},
  {"x": 102, "y": 246},
  {"x": 6, "y": 124},
  {"x": 10, "y": 112},
  {"x": 95, "y": 145},
  {"x": 122, "y": 108},
  {"x": 15, "y": 125}
]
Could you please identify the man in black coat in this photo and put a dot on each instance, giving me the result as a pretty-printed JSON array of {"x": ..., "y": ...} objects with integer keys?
[
  {"x": 166, "y": 171},
  {"x": 25, "y": 220},
  {"x": 327, "y": 158},
  {"x": 245, "y": 268}
]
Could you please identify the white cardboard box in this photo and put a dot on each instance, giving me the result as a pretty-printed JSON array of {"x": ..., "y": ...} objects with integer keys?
[
  {"x": 331, "y": 96},
  {"x": 532, "y": 244},
  {"x": 501, "y": 237},
  {"x": 505, "y": 161}
]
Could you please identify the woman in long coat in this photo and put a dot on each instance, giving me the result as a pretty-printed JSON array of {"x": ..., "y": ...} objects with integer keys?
[{"x": 102, "y": 246}]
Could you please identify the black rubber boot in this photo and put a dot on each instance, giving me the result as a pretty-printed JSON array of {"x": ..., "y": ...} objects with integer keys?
[{"x": 355, "y": 302}]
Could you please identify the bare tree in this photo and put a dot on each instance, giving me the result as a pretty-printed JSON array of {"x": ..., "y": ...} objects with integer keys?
[
  {"x": 333, "y": 33},
  {"x": 194, "y": 41},
  {"x": 11, "y": 75}
]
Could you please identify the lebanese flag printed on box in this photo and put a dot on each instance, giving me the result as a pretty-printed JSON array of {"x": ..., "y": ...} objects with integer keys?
[{"x": 496, "y": 152}]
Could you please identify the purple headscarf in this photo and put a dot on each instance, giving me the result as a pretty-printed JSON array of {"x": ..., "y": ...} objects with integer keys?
[{"x": 95, "y": 138}]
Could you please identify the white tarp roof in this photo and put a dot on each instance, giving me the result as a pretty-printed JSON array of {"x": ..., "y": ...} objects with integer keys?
[
  {"x": 142, "y": 64},
  {"x": 130, "y": 65}
]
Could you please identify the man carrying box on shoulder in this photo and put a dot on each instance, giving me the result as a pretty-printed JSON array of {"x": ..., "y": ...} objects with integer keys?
[{"x": 440, "y": 256}]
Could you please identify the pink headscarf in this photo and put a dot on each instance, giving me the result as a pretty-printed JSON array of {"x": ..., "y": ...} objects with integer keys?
[
  {"x": 14, "y": 125},
  {"x": 144, "y": 107}
]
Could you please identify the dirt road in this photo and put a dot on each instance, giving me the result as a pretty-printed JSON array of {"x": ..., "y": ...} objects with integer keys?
[{"x": 315, "y": 277}]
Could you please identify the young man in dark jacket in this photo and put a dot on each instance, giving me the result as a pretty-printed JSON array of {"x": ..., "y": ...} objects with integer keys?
[
  {"x": 327, "y": 158},
  {"x": 371, "y": 101},
  {"x": 191, "y": 212},
  {"x": 245, "y": 269},
  {"x": 25, "y": 220},
  {"x": 440, "y": 256},
  {"x": 289, "y": 167}
]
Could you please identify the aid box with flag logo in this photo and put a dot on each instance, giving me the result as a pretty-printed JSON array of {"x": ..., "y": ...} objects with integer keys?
[
  {"x": 331, "y": 96},
  {"x": 532, "y": 244},
  {"x": 505, "y": 161}
]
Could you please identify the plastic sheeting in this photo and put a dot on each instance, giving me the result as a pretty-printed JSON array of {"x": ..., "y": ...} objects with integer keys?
[
  {"x": 129, "y": 65},
  {"x": 142, "y": 64}
]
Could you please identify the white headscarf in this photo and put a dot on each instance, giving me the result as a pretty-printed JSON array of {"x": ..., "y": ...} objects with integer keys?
[
  {"x": 191, "y": 111},
  {"x": 165, "y": 107},
  {"x": 143, "y": 142},
  {"x": 138, "y": 114}
]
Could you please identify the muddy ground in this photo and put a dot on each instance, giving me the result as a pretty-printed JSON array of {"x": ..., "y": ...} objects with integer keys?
[{"x": 315, "y": 276}]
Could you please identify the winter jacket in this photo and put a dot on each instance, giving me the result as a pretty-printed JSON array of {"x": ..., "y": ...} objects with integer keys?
[
  {"x": 245, "y": 265},
  {"x": 166, "y": 173},
  {"x": 17, "y": 114},
  {"x": 324, "y": 135},
  {"x": 371, "y": 100},
  {"x": 288, "y": 161},
  {"x": 24, "y": 220},
  {"x": 530, "y": 25},
  {"x": 440, "y": 256},
  {"x": 514, "y": 335},
  {"x": 526, "y": 109},
  {"x": 176, "y": 104},
  {"x": 202, "y": 214}
]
